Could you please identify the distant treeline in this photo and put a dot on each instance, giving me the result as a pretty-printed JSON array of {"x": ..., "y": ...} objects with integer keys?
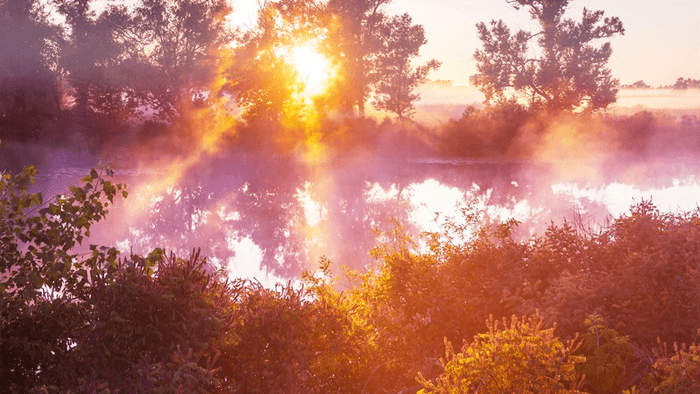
[
  {"x": 149, "y": 79},
  {"x": 680, "y": 84}
]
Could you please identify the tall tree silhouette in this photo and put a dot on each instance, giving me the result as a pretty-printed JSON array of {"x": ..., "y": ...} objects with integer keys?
[
  {"x": 178, "y": 41},
  {"x": 566, "y": 72},
  {"x": 371, "y": 51},
  {"x": 94, "y": 60},
  {"x": 398, "y": 78},
  {"x": 374, "y": 51},
  {"x": 29, "y": 94}
]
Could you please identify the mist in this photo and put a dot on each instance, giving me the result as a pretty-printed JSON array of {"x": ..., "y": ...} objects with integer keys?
[
  {"x": 224, "y": 152},
  {"x": 270, "y": 213}
]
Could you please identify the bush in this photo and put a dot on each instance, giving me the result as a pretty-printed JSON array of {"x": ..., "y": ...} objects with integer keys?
[
  {"x": 607, "y": 356},
  {"x": 297, "y": 338},
  {"x": 521, "y": 357},
  {"x": 141, "y": 312},
  {"x": 42, "y": 277},
  {"x": 679, "y": 373}
]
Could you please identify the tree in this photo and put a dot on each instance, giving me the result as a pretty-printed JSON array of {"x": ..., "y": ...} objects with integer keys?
[
  {"x": 353, "y": 41},
  {"x": 686, "y": 83},
  {"x": 398, "y": 78},
  {"x": 637, "y": 85},
  {"x": 91, "y": 322},
  {"x": 93, "y": 58},
  {"x": 42, "y": 277},
  {"x": 29, "y": 92},
  {"x": 567, "y": 72},
  {"x": 371, "y": 52},
  {"x": 261, "y": 79},
  {"x": 178, "y": 41},
  {"x": 159, "y": 56},
  {"x": 374, "y": 52}
]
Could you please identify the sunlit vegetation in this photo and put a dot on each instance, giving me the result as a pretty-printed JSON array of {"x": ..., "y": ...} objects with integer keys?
[
  {"x": 172, "y": 78},
  {"x": 605, "y": 311},
  {"x": 520, "y": 357},
  {"x": 243, "y": 123}
]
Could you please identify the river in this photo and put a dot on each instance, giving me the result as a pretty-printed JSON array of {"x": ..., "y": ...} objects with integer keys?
[{"x": 268, "y": 218}]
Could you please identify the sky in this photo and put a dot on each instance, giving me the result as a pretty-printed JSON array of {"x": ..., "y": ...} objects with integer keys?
[{"x": 661, "y": 41}]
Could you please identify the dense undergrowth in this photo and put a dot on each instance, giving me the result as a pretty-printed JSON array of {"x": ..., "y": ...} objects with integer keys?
[{"x": 599, "y": 312}]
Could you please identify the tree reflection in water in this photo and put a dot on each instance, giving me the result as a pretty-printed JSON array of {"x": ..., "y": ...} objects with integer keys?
[{"x": 296, "y": 213}]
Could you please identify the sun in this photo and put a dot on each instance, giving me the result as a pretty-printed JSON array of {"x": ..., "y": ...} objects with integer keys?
[{"x": 314, "y": 69}]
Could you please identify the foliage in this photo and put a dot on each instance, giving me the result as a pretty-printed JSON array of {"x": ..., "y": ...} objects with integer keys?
[
  {"x": 397, "y": 78},
  {"x": 680, "y": 372},
  {"x": 371, "y": 51},
  {"x": 569, "y": 71},
  {"x": 178, "y": 44},
  {"x": 159, "y": 323},
  {"x": 153, "y": 59},
  {"x": 399, "y": 300},
  {"x": 520, "y": 357},
  {"x": 187, "y": 308},
  {"x": 375, "y": 50},
  {"x": 607, "y": 356},
  {"x": 493, "y": 131},
  {"x": 297, "y": 340},
  {"x": 686, "y": 83},
  {"x": 183, "y": 373},
  {"x": 637, "y": 85},
  {"x": 637, "y": 274},
  {"x": 29, "y": 90},
  {"x": 92, "y": 57},
  {"x": 42, "y": 278},
  {"x": 428, "y": 296},
  {"x": 571, "y": 276},
  {"x": 652, "y": 258},
  {"x": 261, "y": 78}
]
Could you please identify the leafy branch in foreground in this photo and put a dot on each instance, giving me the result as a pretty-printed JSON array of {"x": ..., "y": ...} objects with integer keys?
[{"x": 40, "y": 274}]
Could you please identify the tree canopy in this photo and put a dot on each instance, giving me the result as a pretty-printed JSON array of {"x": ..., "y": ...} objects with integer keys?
[
  {"x": 370, "y": 51},
  {"x": 566, "y": 72},
  {"x": 102, "y": 72},
  {"x": 29, "y": 87}
]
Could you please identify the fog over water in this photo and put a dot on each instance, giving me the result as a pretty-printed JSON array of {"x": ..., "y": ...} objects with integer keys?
[
  {"x": 270, "y": 216},
  {"x": 246, "y": 213}
]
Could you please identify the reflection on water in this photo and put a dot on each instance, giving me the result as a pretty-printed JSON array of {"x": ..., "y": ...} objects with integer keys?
[{"x": 272, "y": 217}]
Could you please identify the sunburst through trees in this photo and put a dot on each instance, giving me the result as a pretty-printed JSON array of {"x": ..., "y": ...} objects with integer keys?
[
  {"x": 341, "y": 54},
  {"x": 313, "y": 69}
]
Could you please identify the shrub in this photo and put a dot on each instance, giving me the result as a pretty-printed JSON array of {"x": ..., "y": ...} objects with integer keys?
[
  {"x": 141, "y": 311},
  {"x": 41, "y": 277},
  {"x": 679, "y": 373},
  {"x": 607, "y": 356},
  {"x": 521, "y": 357}
]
